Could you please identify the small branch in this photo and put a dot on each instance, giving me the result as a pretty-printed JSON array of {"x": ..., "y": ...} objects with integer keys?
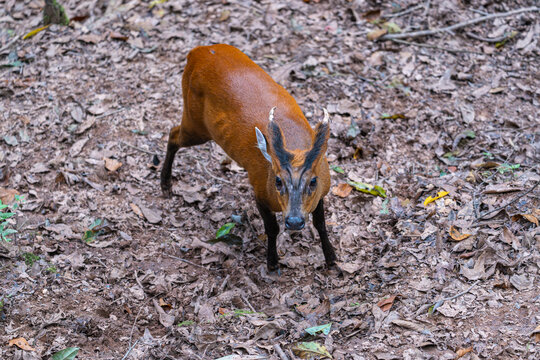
[
  {"x": 138, "y": 148},
  {"x": 461, "y": 293},
  {"x": 489, "y": 40},
  {"x": 404, "y": 12},
  {"x": 435, "y": 47},
  {"x": 442, "y": 301},
  {"x": 109, "y": 113},
  {"x": 129, "y": 350},
  {"x": 508, "y": 203},
  {"x": 280, "y": 352},
  {"x": 8, "y": 45},
  {"x": 186, "y": 261},
  {"x": 460, "y": 25}
]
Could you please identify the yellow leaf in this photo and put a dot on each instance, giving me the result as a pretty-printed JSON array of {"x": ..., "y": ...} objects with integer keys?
[
  {"x": 21, "y": 343},
  {"x": 34, "y": 32},
  {"x": 136, "y": 210},
  {"x": 531, "y": 218},
  {"x": 156, "y": 2},
  {"x": 375, "y": 34},
  {"x": 430, "y": 199},
  {"x": 456, "y": 235},
  {"x": 112, "y": 164},
  {"x": 462, "y": 352}
]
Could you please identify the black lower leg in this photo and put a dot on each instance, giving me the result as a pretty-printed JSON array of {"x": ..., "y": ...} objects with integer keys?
[
  {"x": 320, "y": 224},
  {"x": 271, "y": 229},
  {"x": 167, "y": 169}
]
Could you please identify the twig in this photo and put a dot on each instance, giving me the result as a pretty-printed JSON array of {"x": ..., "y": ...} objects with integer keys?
[
  {"x": 186, "y": 261},
  {"x": 280, "y": 352},
  {"x": 224, "y": 284},
  {"x": 248, "y": 304},
  {"x": 5, "y": 47},
  {"x": 404, "y": 12},
  {"x": 109, "y": 113},
  {"x": 461, "y": 293},
  {"x": 481, "y": 12},
  {"x": 214, "y": 176},
  {"x": 508, "y": 203},
  {"x": 460, "y": 25},
  {"x": 426, "y": 8},
  {"x": 435, "y": 47},
  {"x": 138, "y": 148},
  {"x": 442, "y": 301},
  {"x": 129, "y": 350},
  {"x": 489, "y": 40}
]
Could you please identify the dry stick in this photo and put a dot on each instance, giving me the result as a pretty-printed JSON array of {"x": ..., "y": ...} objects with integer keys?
[
  {"x": 138, "y": 148},
  {"x": 492, "y": 40},
  {"x": 280, "y": 352},
  {"x": 129, "y": 350},
  {"x": 436, "y": 47},
  {"x": 460, "y": 294},
  {"x": 508, "y": 203},
  {"x": 5, "y": 47},
  {"x": 460, "y": 25},
  {"x": 186, "y": 261},
  {"x": 405, "y": 12}
]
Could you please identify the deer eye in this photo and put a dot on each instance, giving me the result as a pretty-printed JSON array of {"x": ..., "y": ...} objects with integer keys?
[
  {"x": 279, "y": 183},
  {"x": 313, "y": 182}
]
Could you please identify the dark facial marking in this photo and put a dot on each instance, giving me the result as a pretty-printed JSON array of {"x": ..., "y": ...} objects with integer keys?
[
  {"x": 283, "y": 155},
  {"x": 320, "y": 139}
]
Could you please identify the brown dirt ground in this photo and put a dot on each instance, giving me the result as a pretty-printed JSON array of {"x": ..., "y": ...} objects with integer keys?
[{"x": 414, "y": 120}]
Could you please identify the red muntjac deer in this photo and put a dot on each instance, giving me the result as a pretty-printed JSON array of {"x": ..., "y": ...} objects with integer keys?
[{"x": 231, "y": 100}]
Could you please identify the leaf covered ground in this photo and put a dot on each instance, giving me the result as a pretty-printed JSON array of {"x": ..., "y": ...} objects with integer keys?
[{"x": 103, "y": 262}]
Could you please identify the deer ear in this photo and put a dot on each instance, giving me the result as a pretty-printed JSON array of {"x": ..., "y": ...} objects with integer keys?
[{"x": 261, "y": 144}]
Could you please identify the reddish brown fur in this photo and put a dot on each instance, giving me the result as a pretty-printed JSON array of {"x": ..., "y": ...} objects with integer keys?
[{"x": 226, "y": 95}]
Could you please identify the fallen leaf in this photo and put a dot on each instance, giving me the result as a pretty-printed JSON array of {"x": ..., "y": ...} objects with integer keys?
[
  {"x": 77, "y": 147},
  {"x": 308, "y": 350},
  {"x": 375, "y": 34},
  {"x": 66, "y": 354},
  {"x": 35, "y": 31},
  {"x": 11, "y": 140},
  {"x": 462, "y": 352},
  {"x": 431, "y": 199},
  {"x": 325, "y": 329},
  {"x": 536, "y": 333},
  {"x": 456, "y": 235},
  {"x": 386, "y": 303},
  {"x": 348, "y": 267},
  {"x": 164, "y": 305},
  {"x": 7, "y": 195},
  {"x": 167, "y": 320},
  {"x": 112, "y": 164},
  {"x": 368, "y": 188},
  {"x": 531, "y": 218},
  {"x": 509, "y": 238},
  {"x": 136, "y": 210},
  {"x": 21, "y": 343},
  {"x": 153, "y": 216},
  {"x": 342, "y": 190},
  {"x": 410, "y": 325},
  {"x": 224, "y": 15},
  {"x": 90, "y": 38}
]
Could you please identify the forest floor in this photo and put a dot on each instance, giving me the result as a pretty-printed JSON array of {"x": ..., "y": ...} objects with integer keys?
[{"x": 103, "y": 262}]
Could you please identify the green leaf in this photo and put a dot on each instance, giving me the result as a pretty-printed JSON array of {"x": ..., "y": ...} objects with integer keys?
[
  {"x": 95, "y": 223},
  {"x": 384, "y": 205},
  {"x": 392, "y": 27},
  {"x": 470, "y": 134},
  {"x": 66, "y": 354},
  {"x": 507, "y": 167},
  {"x": 307, "y": 350},
  {"x": 186, "y": 323},
  {"x": 368, "y": 188},
  {"x": 224, "y": 230},
  {"x": 6, "y": 215},
  {"x": 9, "y": 232},
  {"x": 338, "y": 169},
  {"x": 325, "y": 329}
]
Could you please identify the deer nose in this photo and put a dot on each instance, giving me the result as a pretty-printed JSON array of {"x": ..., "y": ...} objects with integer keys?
[{"x": 294, "y": 223}]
